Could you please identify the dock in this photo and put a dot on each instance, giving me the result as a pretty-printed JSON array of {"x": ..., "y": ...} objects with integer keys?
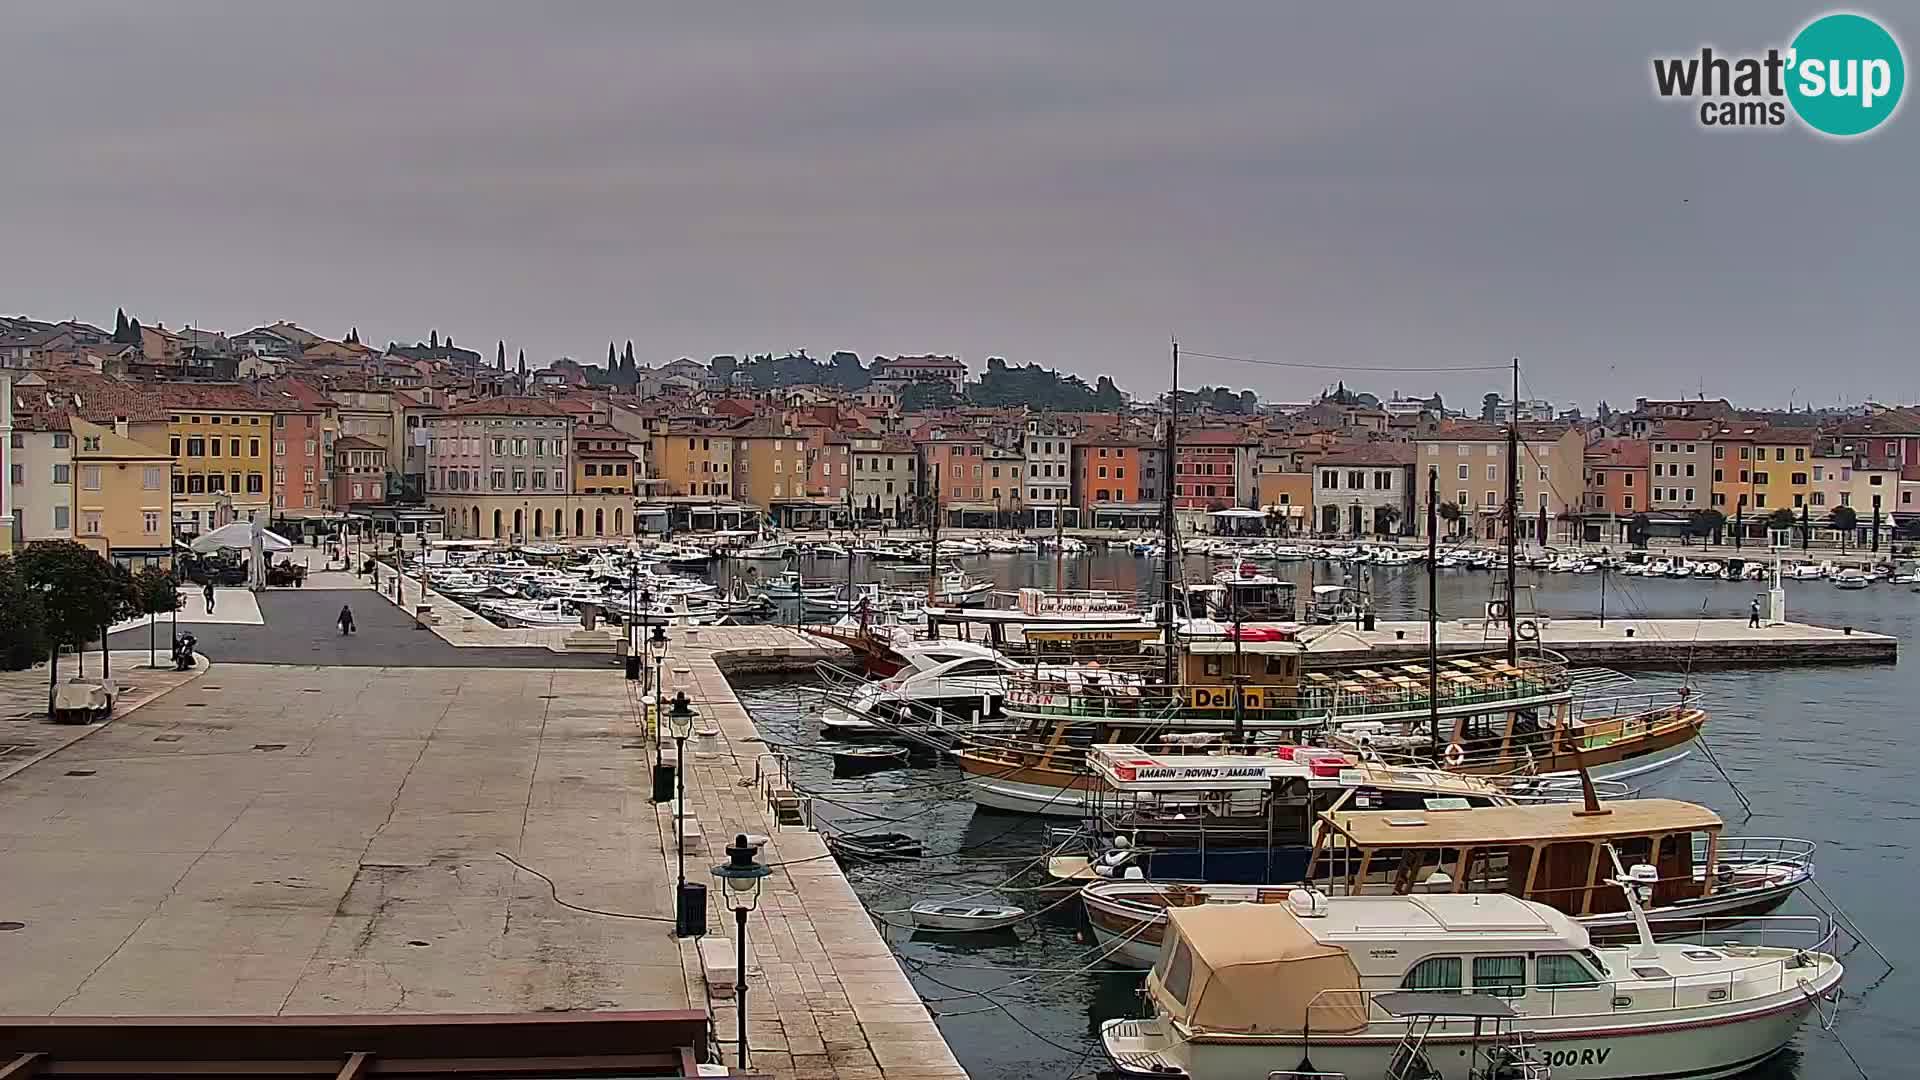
[
  {"x": 1621, "y": 643},
  {"x": 282, "y": 843}
]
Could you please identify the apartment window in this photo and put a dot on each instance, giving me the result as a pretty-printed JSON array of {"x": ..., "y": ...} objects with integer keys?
[
  {"x": 1719, "y": 453},
  {"x": 1759, "y": 478},
  {"x": 1460, "y": 498},
  {"x": 196, "y": 484},
  {"x": 1491, "y": 500},
  {"x": 216, "y": 482},
  {"x": 1330, "y": 480},
  {"x": 1103, "y": 472},
  {"x": 1719, "y": 499},
  {"x": 1689, "y": 469},
  {"x": 60, "y": 514},
  {"x": 233, "y": 445},
  {"x": 1626, "y": 502},
  {"x": 1745, "y": 452},
  {"x": 1461, "y": 449},
  {"x": 1799, "y": 453},
  {"x": 256, "y": 483},
  {"x": 196, "y": 446},
  {"x": 90, "y": 477},
  {"x": 519, "y": 479},
  {"x": 1463, "y": 472},
  {"x": 63, "y": 474},
  {"x": 1719, "y": 475},
  {"x": 151, "y": 519},
  {"x": 1599, "y": 479},
  {"x": 308, "y": 476},
  {"x": 1689, "y": 494},
  {"x": 1801, "y": 478},
  {"x": 1492, "y": 473},
  {"x": 1656, "y": 468},
  {"x": 1779, "y": 453},
  {"x": 1119, "y": 472},
  {"x": 1626, "y": 479},
  {"x": 233, "y": 484},
  {"x": 497, "y": 481},
  {"x": 151, "y": 479},
  {"x": 1543, "y": 474},
  {"x": 1846, "y": 498},
  {"x": 1874, "y": 480},
  {"x": 779, "y": 466},
  {"x": 253, "y": 448}
]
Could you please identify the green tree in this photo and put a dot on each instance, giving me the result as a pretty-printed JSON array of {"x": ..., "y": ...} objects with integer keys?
[
  {"x": 120, "y": 325},
  {"x": 1781, "y": 519},
  {"x": 1638, "y": 529},
  {"x": 22, "y": 638},
  {"x": 1385, "y": 518},
  {"x": 154, "y": 593},
  {"x": 1107, "y": 397},
  {"x": 1450, "y": 513},
  {"x": 1705, "y": 523},
  {"x": 922, "y": 396},
  {"x": 79, "y": 596},
  {"x": 1844, "y": 519}
]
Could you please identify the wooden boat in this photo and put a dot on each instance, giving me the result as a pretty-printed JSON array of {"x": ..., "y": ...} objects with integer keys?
[
  {"x": 934, "y": 915},
  {"x": 1554, "y": 854},
  {"x": 874, "y": 846}
]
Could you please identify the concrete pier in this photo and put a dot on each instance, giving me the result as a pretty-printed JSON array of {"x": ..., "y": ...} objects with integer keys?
[{"x": 1621, "y": 643}]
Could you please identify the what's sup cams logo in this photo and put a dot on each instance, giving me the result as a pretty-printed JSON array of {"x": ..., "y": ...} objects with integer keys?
[{"x": 1842, "y": 76}]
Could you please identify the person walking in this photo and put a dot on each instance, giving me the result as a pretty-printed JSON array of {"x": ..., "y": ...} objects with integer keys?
[
  {"x": 1753, "y": 614},
  {"x": 208, "y": 592},
  {"x": 345, "y": 620}
]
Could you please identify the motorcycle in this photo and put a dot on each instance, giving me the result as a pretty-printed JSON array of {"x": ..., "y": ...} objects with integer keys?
[{"x": 183, "y": 652}]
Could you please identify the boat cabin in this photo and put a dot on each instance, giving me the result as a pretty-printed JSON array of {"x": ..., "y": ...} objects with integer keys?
[
  {"x": 1246, "y": 591},
  {"x": 1551, "y": 853}
]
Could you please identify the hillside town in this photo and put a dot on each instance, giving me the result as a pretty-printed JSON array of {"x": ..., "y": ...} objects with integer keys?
[{"x": 134, "y": 439}]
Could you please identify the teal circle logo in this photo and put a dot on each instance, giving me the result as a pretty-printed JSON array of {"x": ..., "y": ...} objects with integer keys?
[{"x": 1845, "y": 74}]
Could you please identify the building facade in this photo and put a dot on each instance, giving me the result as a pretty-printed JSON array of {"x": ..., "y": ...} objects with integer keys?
[
  {"x": 1680, "y": 459},
  {"x": 220, "y": 437},
  {"x": 1365, "y": 489},
  {"x": 1050, "y": 474},
  {"x": 884, "y": 473},
  {"x": 1472, "y": 461},
  {"x": 122, "y": 495},
  {"x": 503, "y": 468}
]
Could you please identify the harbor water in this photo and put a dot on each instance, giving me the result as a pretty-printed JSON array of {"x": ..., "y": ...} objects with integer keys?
[{"x": 1823, "y": 753}]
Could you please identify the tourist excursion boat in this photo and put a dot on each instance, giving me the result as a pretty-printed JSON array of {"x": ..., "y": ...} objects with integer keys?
[
  {"x": 1551, "y": 853},
  {"x": 1250, "y": 991}
]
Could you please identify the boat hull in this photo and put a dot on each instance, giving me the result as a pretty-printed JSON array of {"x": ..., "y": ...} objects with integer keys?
[
  {"x": 1024, "y": 790},
  {"x": 1683, "y": 1044}
]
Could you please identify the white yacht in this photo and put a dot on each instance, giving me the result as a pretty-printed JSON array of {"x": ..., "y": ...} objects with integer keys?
[
  {"x": 1242, "y": 991},
  {"x": 945, "y": 682},
  {"x": 769, "y": 550}
]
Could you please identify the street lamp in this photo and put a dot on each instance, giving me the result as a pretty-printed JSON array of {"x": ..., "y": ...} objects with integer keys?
[
  {"x": 740, "y": 875},
  {"x": 679, "y": 724}
]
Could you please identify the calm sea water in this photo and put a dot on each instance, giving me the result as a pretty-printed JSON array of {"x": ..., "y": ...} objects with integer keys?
[{"x": 1824, "y": 753}]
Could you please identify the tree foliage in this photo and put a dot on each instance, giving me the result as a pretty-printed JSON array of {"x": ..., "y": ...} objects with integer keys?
[
  {"x": 1032, "y": 386},
  {"x": 22, "y": 632},
  {"x": 79, "y": 593},
  {"x": 154, "y": 592},
  {"x": 922, "y": 396}
]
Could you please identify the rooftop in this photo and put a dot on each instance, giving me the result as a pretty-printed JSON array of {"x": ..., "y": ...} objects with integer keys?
[{"x": 507, "y": 406}]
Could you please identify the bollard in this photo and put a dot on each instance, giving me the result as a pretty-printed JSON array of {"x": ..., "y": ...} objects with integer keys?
[{"x": 1629, "y": 631}]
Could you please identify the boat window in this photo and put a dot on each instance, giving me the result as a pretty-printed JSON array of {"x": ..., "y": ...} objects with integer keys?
[
  {"x": 1439, "y": 974},
  {"x": 976, "y": 667},
  {"x": 1650, "y": 972},
  {"x": 1179, "y": 973},
  {"x": 1562, "y": 970},
  {"x": 1500, "y": 976}
]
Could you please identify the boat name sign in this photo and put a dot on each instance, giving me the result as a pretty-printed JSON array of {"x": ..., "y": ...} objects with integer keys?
[{"x": 1221, "y": 697}]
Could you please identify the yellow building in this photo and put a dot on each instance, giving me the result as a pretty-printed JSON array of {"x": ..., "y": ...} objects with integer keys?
[
  {"x": 602, "y": 464},
  {"x": 122, "y": 495},
  {"x": 769, "y": 465},
  {"x": 694, "y": 461},
  {"x": 1759, "y": 469},
  {"x": 221, "y": 440}
]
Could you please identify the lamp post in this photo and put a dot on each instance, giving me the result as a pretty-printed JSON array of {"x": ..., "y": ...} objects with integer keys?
[
  {"x": 679, "y": 724},
  {"x": 663, "y": 774},
  {"x": 740, "y": 875}
]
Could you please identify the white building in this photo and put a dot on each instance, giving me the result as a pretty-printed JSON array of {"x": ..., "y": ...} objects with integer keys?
[{"x": 1049, "y": 479}]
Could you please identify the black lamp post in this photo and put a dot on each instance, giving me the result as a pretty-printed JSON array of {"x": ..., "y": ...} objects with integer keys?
[
  {"x": 679, "y": 725},
  {"x": 740, "y": 875}
]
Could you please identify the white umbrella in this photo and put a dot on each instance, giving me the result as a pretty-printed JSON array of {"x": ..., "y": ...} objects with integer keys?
[{"x": 241, "y": 536}]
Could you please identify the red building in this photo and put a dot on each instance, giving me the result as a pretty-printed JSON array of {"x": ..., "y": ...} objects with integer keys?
[{"x": 1215, "y": 469}]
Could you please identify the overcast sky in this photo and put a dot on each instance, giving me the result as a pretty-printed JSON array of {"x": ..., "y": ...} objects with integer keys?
[{"x": 1062, "y": 183}]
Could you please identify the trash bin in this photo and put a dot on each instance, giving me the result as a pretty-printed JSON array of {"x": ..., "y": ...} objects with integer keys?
[
  {"x": 690, "y": 910},
  {"x": 633, "y": 668},
  {"x": 663, "y": 783}
]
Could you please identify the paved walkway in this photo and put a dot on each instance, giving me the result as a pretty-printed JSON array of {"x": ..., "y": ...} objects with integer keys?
[
  {"x": 27, "y": 736},
  {"x": 298, "y": 627},
  {"x": 298, "y": 840}
]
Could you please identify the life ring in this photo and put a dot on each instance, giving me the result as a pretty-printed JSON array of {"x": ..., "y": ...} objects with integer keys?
[
  {"x": 1528, "y": 630},
  {"x": 1496, "y": 609},
  {"x": 1455, "y": 756}
]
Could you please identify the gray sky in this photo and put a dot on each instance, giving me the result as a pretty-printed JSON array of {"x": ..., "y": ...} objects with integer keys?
[{"x": 1062, "y": 183}]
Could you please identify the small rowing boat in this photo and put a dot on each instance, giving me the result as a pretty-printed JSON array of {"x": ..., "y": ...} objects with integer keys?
[
  {"x": 874, "y": 846},
  {"x": 934, "y": 915}
]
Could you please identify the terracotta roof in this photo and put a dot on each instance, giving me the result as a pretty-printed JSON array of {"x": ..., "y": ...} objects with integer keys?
[
  {"x": 1381, "y": 453},
  {"x": 102, "y": 398},
  {"x": 1619, "y": 454},
  {"x": 1234, "y": 436},
  {"x": 1683, "y": 429},
  {"x": 1761, "y": 433},
  {"x": 507, "y": 406},
  {"x": 182, "y": 395},
  {"x": 599, "y": 431},
  {"x": 355, "y": 442},
  {"x": 1891, "y": 422},
  {"x": 298, "y": 393}
]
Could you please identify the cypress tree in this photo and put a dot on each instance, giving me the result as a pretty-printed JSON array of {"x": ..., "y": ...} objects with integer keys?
[
  {"x": 500, "y": 355},
  {"x": 120, "y": 324},
  {"x": 433, "y": 339},
  {"x": 613, "y": 364}
]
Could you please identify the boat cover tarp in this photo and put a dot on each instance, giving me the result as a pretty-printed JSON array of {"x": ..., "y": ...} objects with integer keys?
[{"x": 1255, "y": 970}]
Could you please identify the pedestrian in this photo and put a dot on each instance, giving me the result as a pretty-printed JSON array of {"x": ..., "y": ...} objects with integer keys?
[
  {"x": 1753, "y": 614},
  {"x": 208, "y": 592},
  {"x": 345, "y": 620}
]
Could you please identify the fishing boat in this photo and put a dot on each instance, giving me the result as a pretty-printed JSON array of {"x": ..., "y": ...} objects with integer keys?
[
  {"x": 1338, "y": 604},
  {"x": 935, "y": 915},
  {"x": 767, "y": 551},
  {"x": 828, "y": 550},
  {"x": 874, "y": 846},
  {"x": 791, "y": 586},
  {"x": 1247, "y": 991},
  {"x": 1543, "y": 852}
]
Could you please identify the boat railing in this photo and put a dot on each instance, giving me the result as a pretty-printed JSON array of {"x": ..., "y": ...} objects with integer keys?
[
  {"x": 1734, "y": 852},
  {"x": 1043, "y": 693},
  {"x": 837, "y": 680},
  {"x": 1767, "y": 975},
  {"x": 1634, "y": 714}
]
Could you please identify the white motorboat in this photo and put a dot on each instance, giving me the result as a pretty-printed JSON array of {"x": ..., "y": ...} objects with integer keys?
[
  {"x": 934, "y": 915},
  {"x": 1808, "y": 571},
  {"x": 532, "y": 613},
  {"x": 1851, "y": 579},
  {"x": 948, "y": 684},
  {"x": 1066, "y": 544},
  {"x": 828, "y": 550},
  {"x": 791, "y": 586},
  {"x": 1661, "y": 567},
  {"x": 1243, "y": 990},
  {"x": 767, "y": 551}
]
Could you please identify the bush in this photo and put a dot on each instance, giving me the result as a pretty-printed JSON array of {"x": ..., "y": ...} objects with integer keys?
[{"x": 23, "y": 632}]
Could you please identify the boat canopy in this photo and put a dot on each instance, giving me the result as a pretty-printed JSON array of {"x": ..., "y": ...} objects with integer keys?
[
  {"x": 1240, "y": 512},
  {"x": 1526, "y": 823},
  {"x": 1253, "y": 969}
]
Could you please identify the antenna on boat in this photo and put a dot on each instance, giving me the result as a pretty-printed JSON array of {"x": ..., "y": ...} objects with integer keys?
[
  {"x": 1167, "y": 529},
  {"x": 1513, "y": 510},
  {"x": 1433, "y": 609},
  {"x": 1635, "y": 883}
]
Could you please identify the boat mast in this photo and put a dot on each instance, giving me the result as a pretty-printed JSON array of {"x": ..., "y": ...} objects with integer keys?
[
  {"x": 1433, "y": 608},
  {"x": 933, "y": 547},
  {"x": 1513, "y": 508},
  {"x": 1059, "y": 552},
  {"x": 1166, "y": 519}
]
